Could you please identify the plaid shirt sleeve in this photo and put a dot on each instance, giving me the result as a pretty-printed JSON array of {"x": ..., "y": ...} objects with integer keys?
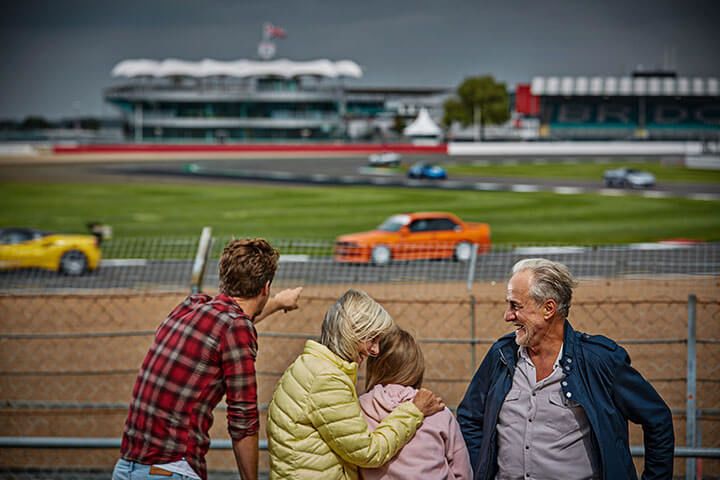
[{"x": 238, "y": 365}]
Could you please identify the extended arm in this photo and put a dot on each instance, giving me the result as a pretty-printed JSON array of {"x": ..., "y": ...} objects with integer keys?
[
  {"x": 285, "y": 300},
  {"x": 335, "y": 413}
]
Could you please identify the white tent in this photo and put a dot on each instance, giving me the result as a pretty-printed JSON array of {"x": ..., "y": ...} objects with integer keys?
[{"x": 423, "y": 126}]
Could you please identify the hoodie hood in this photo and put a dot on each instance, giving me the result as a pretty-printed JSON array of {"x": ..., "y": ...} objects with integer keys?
[{"x": 383, "y": 399}]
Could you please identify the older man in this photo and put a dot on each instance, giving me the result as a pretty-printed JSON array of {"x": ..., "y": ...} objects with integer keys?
[{"x": 548, "y": 402}]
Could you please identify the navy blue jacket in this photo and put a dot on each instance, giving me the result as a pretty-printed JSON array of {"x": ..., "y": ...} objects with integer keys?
[{"x": 598, "y": 377}]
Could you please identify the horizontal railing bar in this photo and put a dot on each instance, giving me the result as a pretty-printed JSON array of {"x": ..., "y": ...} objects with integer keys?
[
  {"x": 689, "y": 452},
  {"x": 100, "y": 442},
  {"x": 469, "y": 341},
  {"x": 55, "y": 405}
]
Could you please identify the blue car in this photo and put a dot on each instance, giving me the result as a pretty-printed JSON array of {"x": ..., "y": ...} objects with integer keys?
[{"x": 427, "y": 170}]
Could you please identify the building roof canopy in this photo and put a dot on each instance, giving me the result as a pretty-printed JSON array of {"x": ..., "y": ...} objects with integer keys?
[
  {"x": 629, "y": 86},
  {"x": 172, "y": 67}
]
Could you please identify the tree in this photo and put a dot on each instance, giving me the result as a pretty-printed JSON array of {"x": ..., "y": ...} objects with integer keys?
[
  {"x": 34, "y": 123},
  {"x": 398, "y": 124},
  {"x": 479, "y": 100}
]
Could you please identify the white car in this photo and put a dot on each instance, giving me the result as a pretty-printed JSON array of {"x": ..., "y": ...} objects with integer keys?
[
  {"x": 384, "y": 159},
  {"x": 628, "y": 177}
]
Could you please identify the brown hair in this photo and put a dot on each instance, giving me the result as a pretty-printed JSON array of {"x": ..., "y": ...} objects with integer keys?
[
  {"x": 246, "y": 266},
  {"x": 400, "y": 362}
]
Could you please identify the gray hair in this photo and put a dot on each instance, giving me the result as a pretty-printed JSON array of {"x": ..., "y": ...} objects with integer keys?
[
  {"x": 354, "y": 318},
  {"x": 549, "y": 280}
]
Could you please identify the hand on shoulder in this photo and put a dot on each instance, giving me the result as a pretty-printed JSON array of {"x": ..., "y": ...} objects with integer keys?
[{"x": 428, "y": 403}]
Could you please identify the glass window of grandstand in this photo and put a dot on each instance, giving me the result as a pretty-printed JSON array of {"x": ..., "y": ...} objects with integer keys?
[{"x": 278, "y": 84}]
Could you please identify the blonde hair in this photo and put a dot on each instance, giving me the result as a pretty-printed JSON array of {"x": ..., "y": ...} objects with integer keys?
[
  {"x": 354, "y": 318},
  {"x": 400, "y": 362}
]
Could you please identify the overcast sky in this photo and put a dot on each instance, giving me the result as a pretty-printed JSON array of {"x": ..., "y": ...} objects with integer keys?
[{"x": 57, "y": 54}]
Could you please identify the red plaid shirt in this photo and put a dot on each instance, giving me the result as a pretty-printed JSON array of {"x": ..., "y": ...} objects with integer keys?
[{"x": 203, "y": 350}]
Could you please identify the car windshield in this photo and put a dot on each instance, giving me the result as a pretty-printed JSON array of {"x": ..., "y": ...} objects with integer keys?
[{"x": 394, "y": 223}]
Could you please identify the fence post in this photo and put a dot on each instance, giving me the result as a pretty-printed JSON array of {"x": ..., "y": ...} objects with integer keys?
[
  {"x": 470, "y": 280},
  {"x": 691, "y": 408},
  {"x": 201, "y": 257}
]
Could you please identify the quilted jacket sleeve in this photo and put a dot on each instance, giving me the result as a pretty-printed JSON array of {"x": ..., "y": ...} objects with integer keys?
[{"x": 335, "y": 413}]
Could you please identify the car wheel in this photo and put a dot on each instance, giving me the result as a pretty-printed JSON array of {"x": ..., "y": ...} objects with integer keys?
[
  {"x": 380, "y": 255},
  {"x": 73, "y": 263},
  {"x": 463, "y": 252}
]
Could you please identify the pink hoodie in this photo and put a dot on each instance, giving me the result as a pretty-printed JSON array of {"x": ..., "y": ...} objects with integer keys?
[{"x": 437, "y": 451}]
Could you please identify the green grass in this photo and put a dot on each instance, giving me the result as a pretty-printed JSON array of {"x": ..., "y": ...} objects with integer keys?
[
  {"x": 585, "y": 171},
  {"x": 296, "y": 212}
]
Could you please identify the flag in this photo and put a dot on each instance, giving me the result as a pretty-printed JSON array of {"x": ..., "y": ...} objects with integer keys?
[{"x": 273, "y": 31}]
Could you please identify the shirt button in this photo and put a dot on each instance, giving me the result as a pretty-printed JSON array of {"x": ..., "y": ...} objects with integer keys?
[
  {"x": 564, "y": 384},
  {"x": 527, "y": 447},
  {"x": 569, "y": 360},
  {"x": 530, "y": 420},
  {"x": 568, "y": 394},
  {"x": 534, "y": 394},
  {"x": 567, "y": 367}
]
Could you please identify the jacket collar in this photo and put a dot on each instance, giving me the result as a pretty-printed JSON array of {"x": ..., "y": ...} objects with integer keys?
[
  {"x": 569, "y": 341},
  {"x": 321, "y": 351}
]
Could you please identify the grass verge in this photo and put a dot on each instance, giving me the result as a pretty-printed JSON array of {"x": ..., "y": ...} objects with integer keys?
[
  {"x": 584, "y": 171},
  {"x": 321, "y": 213}
]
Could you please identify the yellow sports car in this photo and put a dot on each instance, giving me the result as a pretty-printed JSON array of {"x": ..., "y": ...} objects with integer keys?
[{"x": 66, "y": 254}]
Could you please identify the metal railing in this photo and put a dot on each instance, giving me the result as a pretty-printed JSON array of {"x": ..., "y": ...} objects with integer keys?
[{"x": 87, "y": 311}]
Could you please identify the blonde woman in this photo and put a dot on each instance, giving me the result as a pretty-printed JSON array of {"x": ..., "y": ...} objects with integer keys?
[
  {"x": 437, "y": 451},
  {"x": 315, "y": 427}
]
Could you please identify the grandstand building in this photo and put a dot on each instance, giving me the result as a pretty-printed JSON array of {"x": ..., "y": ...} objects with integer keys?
[
  {"x": 656, "y": 105},
  {"x": 248, "y": 100},
  {"x": 266, "y": 100}
]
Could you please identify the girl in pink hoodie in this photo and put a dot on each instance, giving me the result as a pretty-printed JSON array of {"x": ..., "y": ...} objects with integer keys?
[{"x": 437, "y": 451}]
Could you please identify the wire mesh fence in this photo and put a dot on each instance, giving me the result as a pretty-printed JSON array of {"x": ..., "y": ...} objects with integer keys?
[{"x": 70, "y": 347}]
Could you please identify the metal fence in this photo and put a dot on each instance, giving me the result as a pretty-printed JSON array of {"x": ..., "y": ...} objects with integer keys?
[{"x": 70, "y": 347}]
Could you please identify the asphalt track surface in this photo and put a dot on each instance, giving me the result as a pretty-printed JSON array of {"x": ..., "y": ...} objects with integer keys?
[
  {"x": 353, "y": 170},
  {"x": 336, "y": 170}
]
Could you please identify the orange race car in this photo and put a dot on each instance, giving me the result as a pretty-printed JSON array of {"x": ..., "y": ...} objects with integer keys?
[{"x": 414, "y": 236}]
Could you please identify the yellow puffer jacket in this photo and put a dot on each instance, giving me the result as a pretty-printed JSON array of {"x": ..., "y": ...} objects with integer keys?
[{"x": 315, "y": 428}]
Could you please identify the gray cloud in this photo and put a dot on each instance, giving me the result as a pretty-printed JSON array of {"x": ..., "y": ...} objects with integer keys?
[{"x": 57, "y": 55}]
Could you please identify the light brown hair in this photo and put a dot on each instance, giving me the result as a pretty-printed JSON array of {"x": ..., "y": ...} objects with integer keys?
[
  {"x": 246, "y": 266},
  {"x": 400, "y": 362}
]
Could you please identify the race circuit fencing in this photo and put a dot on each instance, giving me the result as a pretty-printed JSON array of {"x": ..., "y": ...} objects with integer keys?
[{"x": 71, "y": 346}]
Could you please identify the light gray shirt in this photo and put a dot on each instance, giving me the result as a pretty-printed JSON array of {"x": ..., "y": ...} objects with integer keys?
[{"x": 541, "y": 434}]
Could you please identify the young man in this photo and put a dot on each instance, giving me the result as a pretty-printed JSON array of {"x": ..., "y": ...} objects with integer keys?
[
  {"x": 204, "y": 350},
  {"x": 550, "y": 402}
]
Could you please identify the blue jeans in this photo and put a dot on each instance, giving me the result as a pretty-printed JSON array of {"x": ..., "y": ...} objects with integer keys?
[{"x": 127, "y": 470}]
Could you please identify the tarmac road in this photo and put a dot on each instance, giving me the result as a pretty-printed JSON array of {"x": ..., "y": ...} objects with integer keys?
[{"x": 352, "y": 170}]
